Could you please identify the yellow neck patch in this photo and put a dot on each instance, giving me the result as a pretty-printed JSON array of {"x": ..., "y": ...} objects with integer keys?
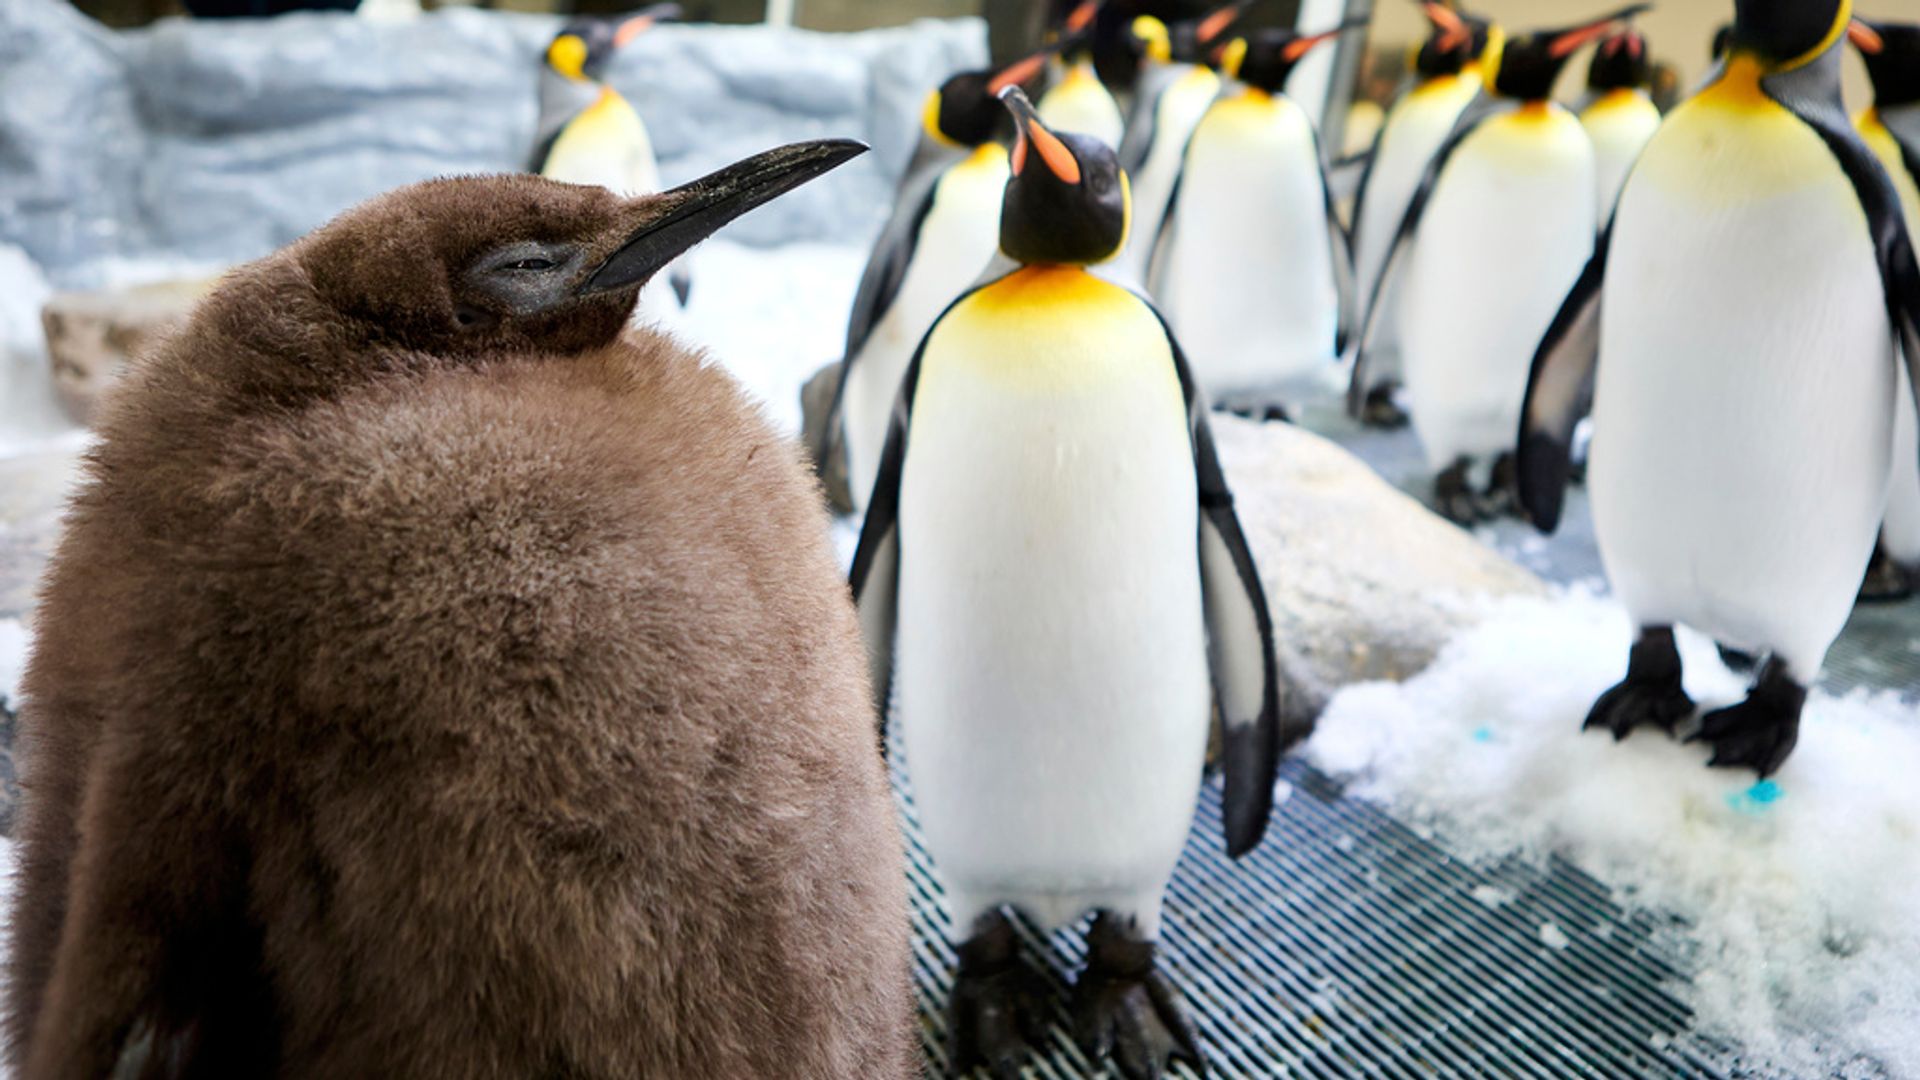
[{"x": 1738, "y": 87}]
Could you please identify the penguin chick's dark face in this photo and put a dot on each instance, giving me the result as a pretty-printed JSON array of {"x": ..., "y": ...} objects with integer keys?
[
  {"x": 476, "y": 266},
  {"x": 582, "y": 49},
  {"x": 1892, "y": 52},
  {"x": 1621, "y": 63},
  {"x": 1787, "y": 33},
  {"x": 1530, "y": 64},
  {"x": 1067, "y": 200}
]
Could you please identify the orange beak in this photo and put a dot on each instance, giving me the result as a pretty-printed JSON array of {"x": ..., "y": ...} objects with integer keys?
[
  {"x": 1079, "y": 18},
  {"x": 1865, "y": 38},
  {"x": 1299, "y": 47},
  {"x": 1453, "y": 29},
  {"x": 1571, "y": 41},
  {"x": 1018, "y": 72},
  {"x": 1059, "y": 160},
  {"x": 1217, "y": 22}
]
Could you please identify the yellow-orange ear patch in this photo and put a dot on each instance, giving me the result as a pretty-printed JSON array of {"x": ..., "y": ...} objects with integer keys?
[{"x": 568, "y": 55}]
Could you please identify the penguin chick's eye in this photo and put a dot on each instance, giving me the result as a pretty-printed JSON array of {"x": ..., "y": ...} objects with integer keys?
[{"x": 531, "y": 264}]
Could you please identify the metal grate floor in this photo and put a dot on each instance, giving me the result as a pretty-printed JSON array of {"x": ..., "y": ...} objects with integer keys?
[{"x": 1350, "y": 945}]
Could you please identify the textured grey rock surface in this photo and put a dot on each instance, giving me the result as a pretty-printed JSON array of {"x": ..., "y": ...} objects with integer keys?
[
  {"x": 216, "y": 142},
  {"x": 1364, "y": 582}
]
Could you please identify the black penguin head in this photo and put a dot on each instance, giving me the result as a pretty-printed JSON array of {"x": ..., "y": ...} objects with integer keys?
[
  {"x": 582, "y": 48},
  {"x": 1264, "y": 59},
  {"x": 1722, "y": 42},
  {"x": 1786, "y": 34},
  {"x": 1189, "y": 41},
  {"x": 1454, "y": 40},
  {"x": 1067, "y": 200},
  {"x": 475, "y": 266},
  {"x": 1530, "y": 63},
  {"x": 966, "y": 110},
  {"x": 1621, "y": 62},
  {"x": 1892, "y": 52}
]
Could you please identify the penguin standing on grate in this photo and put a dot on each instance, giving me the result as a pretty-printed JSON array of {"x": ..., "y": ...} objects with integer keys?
[
  {"x": 1053, "y": 582},
  {"x": 1497, "y": 231},
  {"x": 1252, "y": 266},
  {"x": 1736, "y": 333}
]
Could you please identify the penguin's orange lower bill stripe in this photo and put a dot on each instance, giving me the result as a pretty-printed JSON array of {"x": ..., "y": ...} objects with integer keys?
[{"x": 1059, "y": 159}]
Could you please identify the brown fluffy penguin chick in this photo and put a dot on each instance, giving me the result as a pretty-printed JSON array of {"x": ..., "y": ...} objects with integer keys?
[{"x": 434, "y": 682}]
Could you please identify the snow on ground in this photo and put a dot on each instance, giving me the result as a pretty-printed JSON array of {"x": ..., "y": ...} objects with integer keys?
[{"x": 1803, "y": 892}]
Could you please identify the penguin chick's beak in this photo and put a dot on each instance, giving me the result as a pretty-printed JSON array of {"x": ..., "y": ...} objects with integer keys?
[
  {"x": 1865, "y": 37},
  {"x": 1300, "y": 46},
  {"x": 1453, "y": 29},
  {"x": 696, "y": 210},
  {"x": 1032, "y": 133},
  {"x": 1569, "y": 41}
]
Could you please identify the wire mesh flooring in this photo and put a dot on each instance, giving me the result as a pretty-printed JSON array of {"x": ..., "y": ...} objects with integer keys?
[{"x": 1351, "y": 945}]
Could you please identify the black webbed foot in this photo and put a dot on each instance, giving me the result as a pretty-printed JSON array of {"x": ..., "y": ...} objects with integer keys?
[
  {"x": 1502, "y": 497},
  {"x": 1454, "y": 498},
  {"x": 1887, "y": 581},
  {"x": 1651, "y": 694},
  {"x": 1759, "y": 732},
  {"x": 1125, "y": 1012},
  {"x": 992, "y": 1018},
  {"x": 1380, "y": 411}
]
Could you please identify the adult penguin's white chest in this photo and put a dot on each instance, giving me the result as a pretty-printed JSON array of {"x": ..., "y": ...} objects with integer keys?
[
  {"x": 1414, "y": 130},
  {"x": 1508, "y": 229},
  {"x": 1051, "y": 672},
  {"x": 956, "y": 239},
  {"x": 1080, "y": 103},
  {"x": 1176, "y": 112},
  {"x": 1743, "y": 404},
  {"x": 1248, "y": 281}
]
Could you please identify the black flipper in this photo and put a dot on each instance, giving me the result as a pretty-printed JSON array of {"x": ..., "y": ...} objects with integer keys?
[
  {"x": 1812, "y": 93},
  {"x": 1366, "y": 176},
  {"x": 1342, "y": 248},
  {"x": 1479, "y": 112},
  {"x": 1559, "y": 393},
  {"x": 1163, "y": 240},
  {"x": 879, "y": 285},
  {"x": 1240, "y": 647}
]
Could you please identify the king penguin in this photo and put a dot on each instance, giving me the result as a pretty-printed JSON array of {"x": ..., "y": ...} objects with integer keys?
[
  {"x": 1620, "y": 116},
  {"x": 1448, "y": 76},
  {"x": 1172, "y": 95},
  {"x": 1079, "y": 102},
  {"x": 393, "y": 709},
  {"x": 1049, "y": 444},
  {"x": 1891, "y": 128},
  {"x": 588, "y": 134},
  {"x": 938, "y": 242},
  {"x": 1735, "y": 330},
  {"x": 1496, "y": 232},
  {"x": 1252, "y": 266}
]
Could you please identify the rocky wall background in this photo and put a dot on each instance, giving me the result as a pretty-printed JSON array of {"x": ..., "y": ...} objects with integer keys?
[{"x": 215, "y": 142}]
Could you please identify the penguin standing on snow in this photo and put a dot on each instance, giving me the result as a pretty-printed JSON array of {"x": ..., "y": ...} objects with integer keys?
[
  {"x": 1891, "y": 128},
  {"x": 1498, "y": 229},
  {"x": 938, "y": 242},
  {"x": 1252, "y": 267},
  {"x": 1620, "y": 116},
  {"x": 1742, "y": 372},
  {"x": 1079, "y": 102},
  {"x": 393, "y": 710},
  {"x": 1050, "y": 442},
  {"x": 1172, "y": 95},
  {"x": 589, "y": 134},
  {"x": 1448, "y": 77}
]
